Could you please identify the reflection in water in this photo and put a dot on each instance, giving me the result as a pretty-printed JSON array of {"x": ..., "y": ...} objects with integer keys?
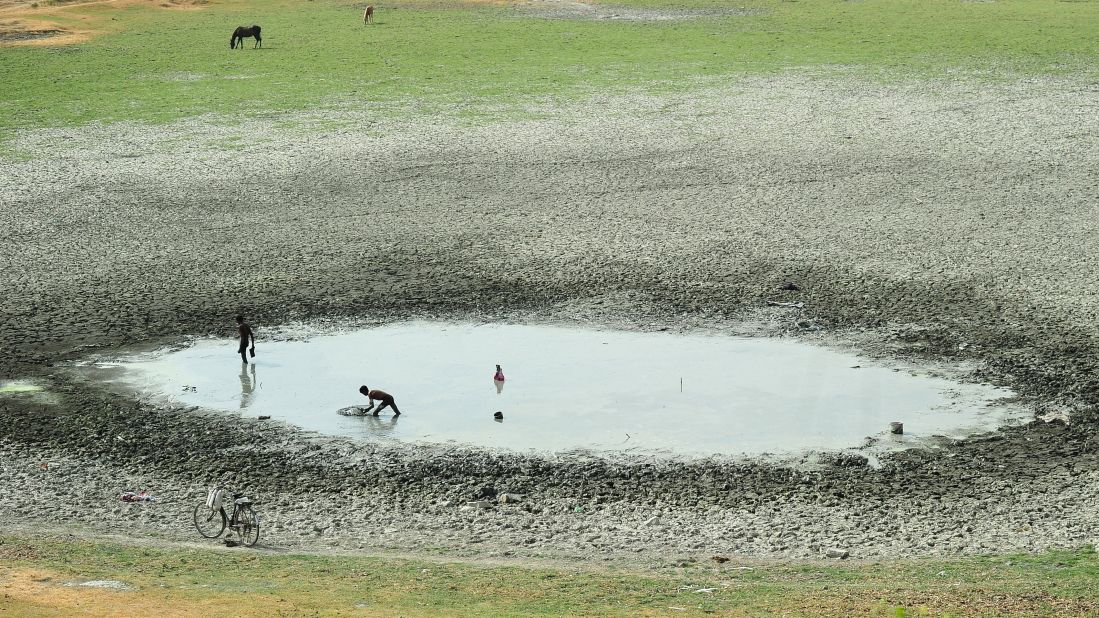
[
  {"x": 499, "y": 386},
  {"x": 381, "y": 425},
  {"x": 247, "y": 384}
]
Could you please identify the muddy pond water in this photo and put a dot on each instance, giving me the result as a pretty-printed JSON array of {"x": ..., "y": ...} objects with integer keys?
[{"x": 568, "y": 388}]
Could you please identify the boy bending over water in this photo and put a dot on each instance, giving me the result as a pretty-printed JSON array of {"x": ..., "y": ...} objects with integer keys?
[{"x": 382, "y": 396}]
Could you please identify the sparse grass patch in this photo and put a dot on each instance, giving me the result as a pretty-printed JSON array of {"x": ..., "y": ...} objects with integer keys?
[{"x": 40, "y": 576}]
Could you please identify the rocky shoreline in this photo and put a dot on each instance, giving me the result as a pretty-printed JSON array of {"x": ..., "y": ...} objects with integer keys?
[{"x": 915, "y": 220}]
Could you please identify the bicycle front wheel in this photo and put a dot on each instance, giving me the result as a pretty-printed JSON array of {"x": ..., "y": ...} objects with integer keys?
[
  {"x": 248, "y": 526},
  {"x": 210, "y": 524}
]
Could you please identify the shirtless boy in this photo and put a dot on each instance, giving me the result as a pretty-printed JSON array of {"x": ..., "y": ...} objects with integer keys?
[{"x": 382, "y": 396}]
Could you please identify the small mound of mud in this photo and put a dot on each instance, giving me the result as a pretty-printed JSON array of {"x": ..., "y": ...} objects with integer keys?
[{"x": 571, "y": 9}]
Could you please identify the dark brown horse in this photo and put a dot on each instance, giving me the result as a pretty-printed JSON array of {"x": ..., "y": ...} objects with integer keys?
[
  {"x": 242, "y": 33},
  {"x": 368, "y": 14}
]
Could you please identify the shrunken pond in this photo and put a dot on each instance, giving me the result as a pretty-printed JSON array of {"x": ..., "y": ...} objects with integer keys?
[{"x": 569, "y": 388}]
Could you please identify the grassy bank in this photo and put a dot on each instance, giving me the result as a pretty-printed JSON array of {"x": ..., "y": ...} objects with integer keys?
[
  {"x": 149, "y": 63},
  {"x": 41, "y": 578}
]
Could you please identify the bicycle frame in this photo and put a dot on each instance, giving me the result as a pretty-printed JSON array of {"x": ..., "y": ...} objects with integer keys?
[{"x": 242, "y": 518}]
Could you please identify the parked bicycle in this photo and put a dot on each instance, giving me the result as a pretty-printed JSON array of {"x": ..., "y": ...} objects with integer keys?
[{"x": 211, "y": 519}]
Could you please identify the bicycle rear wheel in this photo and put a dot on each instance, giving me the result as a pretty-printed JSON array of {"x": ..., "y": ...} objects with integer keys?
[
  {"x": 210, "y": 524},
  {"x": 248, "y": 526}
]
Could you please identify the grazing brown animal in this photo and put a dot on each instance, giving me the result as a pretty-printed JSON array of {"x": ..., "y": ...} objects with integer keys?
[{"x": 368, "y": 15}]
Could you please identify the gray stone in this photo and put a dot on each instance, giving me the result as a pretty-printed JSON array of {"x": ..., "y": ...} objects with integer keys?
[{"x": 488, "y": 491}]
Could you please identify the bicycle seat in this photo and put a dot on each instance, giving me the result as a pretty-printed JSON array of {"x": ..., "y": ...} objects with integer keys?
[{"x": 242, "y": 500}]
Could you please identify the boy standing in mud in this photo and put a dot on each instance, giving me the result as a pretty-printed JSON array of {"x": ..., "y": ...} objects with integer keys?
[
  {"x": 382, "y": 396},
  {"x": 246, "y": 336}
]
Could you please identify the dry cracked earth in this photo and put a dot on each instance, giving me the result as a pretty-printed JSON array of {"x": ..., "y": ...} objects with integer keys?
[{"x": 950, "y": 222}]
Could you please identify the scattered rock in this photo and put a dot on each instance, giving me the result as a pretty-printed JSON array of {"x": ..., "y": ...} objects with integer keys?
[
  {"x": 498, "y": 415},
  {"x": 789, "y": 286},
  {"x": 896, "y": 428},
  {"x": 719, "y": 559},
  {"x": 837, "y": 553},
  {"x": 1055, "y": 416},
  {"x": 845, "y": 460},
  {"x": 488, "y": 491},
  {"x": 479, "y": 504},
  {"x": 510, "y": 498}
]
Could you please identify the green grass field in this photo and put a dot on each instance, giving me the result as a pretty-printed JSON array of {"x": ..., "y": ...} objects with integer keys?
[
  {"x": 34, "y": 574},
  {"x": 153, "y": 64}
]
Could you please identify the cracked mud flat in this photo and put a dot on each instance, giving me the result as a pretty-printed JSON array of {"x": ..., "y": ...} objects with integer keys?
[
  {"x": 932, "y": 222},
  {"x": 568, "y": 9}
]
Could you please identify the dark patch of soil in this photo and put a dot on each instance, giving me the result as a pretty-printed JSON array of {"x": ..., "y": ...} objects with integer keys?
[{"x": 27, "y": 35}]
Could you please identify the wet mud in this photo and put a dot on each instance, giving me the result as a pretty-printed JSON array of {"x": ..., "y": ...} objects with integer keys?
[{"x": 945, "y": 222}]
